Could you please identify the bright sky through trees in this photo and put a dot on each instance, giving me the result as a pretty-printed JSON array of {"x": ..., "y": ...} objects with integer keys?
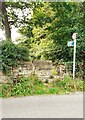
[{"x": 14, "y": 34}]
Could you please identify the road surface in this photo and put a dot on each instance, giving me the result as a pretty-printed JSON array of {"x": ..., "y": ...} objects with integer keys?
[{"x": 44, "y": 106}]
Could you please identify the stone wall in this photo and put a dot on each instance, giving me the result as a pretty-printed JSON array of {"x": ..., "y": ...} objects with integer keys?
[{"x": 44, "y": 69}]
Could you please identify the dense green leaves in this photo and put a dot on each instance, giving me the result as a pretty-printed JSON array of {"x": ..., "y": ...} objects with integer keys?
[
  {"x": 12, "y": 55},
  {"x": 52, "y": 25}
]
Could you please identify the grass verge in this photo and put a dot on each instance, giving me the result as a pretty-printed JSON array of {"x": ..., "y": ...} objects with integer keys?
[{"x": 34, "y": 86}]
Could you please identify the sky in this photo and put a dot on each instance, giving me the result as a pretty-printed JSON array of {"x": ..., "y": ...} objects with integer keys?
[
  {"x": 1, "y": 35},
  {"x": 14, "y": 34}
]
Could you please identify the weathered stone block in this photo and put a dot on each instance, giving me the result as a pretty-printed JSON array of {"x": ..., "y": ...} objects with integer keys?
[{"x": 42, "y": 64}]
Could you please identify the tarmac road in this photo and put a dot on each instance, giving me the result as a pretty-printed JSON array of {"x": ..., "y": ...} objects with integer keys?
[{"x": 44, "y": 106}]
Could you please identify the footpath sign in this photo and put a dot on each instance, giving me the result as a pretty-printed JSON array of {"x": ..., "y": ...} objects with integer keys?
[
  {"x": 73, "y": 43},
  {"x": 70, "y": 43}
]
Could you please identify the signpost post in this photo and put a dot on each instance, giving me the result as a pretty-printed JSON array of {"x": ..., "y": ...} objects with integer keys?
[
  {"x": 73, "y": 43},
  {"x": 74, "y": 54}
]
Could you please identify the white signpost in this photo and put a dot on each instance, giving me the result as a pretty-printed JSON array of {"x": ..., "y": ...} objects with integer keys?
[
  {"x": 73, "y": 43},
  {"x": 74, "y": 54}
]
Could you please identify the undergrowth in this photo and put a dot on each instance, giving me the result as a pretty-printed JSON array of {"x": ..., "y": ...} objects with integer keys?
[{"x": 34, "y": 86}]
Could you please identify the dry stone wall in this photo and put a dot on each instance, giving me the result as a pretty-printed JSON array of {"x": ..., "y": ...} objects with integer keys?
[{"x": 44, "y": 69}]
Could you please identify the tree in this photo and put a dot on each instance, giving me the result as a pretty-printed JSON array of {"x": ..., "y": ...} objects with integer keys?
[
  {"x": 52, "y": 23},
  {"x": 14, "y": 14},
  {"x": 47, "y": 27},
  {"x": 81, "y": 43},
  {"x": 52, "y": 26},
  {"x": 5, "y": 20},
  {"x": 41, "y": 43}
]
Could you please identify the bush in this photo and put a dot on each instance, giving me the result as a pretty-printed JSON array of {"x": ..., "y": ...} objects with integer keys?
[
  {"x": 12, "y": 55},
  {"x": 70, "y": 85}
]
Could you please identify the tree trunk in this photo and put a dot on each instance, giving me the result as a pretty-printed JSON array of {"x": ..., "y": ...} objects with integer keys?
[{"x": 6, "y": 22}]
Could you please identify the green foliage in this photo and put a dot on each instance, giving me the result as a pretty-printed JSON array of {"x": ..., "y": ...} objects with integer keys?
[
  {"x": 84, "y": 86},
  {"x": 52, "y": 90},
  {"x": 34, "y": 86},
  {"x": 12, "y": 55},
  {"x": 48, "y": 29},
  {"x": 0, "y": 91},
  {"x": 71, "y": 85},
  {"x": 51, "y": 26},
  {"x": 9, "y": 53}
]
